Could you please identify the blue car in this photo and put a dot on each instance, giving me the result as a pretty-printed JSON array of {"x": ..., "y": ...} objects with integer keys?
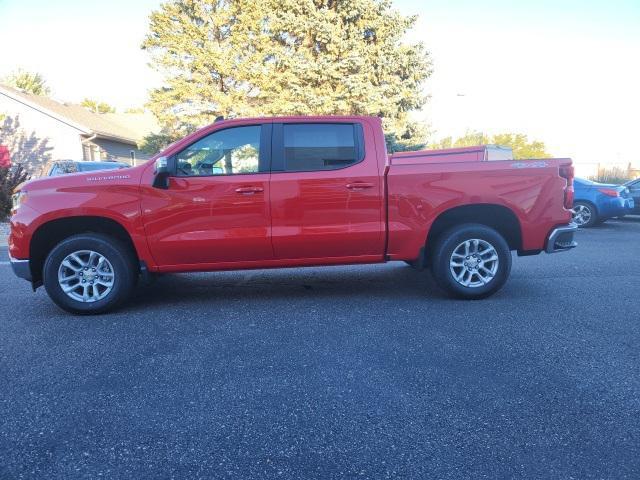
[{"x": 596, "y": 202}]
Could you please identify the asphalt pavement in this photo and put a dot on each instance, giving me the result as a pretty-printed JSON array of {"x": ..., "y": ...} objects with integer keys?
[{"x": 341, "y": 372}]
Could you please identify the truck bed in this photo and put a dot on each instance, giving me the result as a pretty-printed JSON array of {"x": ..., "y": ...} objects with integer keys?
[{"x": 422, "y": 185}]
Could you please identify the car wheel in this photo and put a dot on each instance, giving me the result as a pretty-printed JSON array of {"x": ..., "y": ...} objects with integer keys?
[
  {"x": 89, "y": 274},
  {"x": 471, "y": 261},
  {"x": 584, "y": 214}
]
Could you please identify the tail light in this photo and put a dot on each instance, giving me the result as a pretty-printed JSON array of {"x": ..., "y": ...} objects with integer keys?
[
  {"x": 609, "y": 192},
  {"x": 567, "y": 172}
]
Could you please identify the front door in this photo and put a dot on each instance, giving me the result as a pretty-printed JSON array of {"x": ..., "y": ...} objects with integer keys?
[
  {"x": 216, "y": 209},
  {"x": 326, "y": 192}
]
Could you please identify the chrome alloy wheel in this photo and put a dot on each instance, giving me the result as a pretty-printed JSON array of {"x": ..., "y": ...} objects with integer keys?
[
  {"x": 474, "y": 263},
  {"x": 86, "y": 276},
  {"x": 582, "y": 215}
]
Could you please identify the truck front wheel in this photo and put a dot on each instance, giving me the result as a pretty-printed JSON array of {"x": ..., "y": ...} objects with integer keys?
[
  {"x": 471, "y": 261},
  {"x": 89, "y": 273}
]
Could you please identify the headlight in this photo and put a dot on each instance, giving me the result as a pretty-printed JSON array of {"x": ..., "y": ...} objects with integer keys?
[{"x": 18, "y": 199}]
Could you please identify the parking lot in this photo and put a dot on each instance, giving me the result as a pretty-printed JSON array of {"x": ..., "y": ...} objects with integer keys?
[{"x": 344, "y": 372}]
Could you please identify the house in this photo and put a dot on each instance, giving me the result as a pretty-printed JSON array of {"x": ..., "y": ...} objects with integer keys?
[{"x": 38, "y": 129}]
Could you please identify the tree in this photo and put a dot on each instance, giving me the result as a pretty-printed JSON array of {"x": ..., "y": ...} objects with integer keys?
[
  {"x": 10, "y": 178},
  {"x": 416, "y": 132},
  {"x": 97, "y": 107},
  {"x": 522, "y": 147},
  {"x": 28, "y": 81},
  {"x": 154, "y": 142},
  {"x": 280, "y": 57}
]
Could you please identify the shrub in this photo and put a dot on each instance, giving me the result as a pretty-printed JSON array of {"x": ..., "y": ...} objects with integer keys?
[
  {"x": 10, "y": 178},
  {"x": 615, "y": 175}
]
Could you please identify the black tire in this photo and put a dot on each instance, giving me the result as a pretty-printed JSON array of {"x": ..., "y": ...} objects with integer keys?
[
  {"x": 444, "y": 248},
  {"x": 593, "y": 219},
  {"x": 118, "y": 255}
]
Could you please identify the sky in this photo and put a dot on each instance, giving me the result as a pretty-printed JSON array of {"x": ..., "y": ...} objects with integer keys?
[{"x": 566, "y": 72}]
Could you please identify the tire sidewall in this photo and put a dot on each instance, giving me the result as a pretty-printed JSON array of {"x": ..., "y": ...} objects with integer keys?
[
  {"x": 112, "y": 250},
  {"x": 450, "y": 240}
]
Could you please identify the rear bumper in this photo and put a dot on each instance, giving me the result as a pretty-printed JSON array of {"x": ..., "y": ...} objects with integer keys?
[
  {"x": 614, "y": 207},
  {"x": 561, "y": 239},
  {"x": 21, "y": 268}
]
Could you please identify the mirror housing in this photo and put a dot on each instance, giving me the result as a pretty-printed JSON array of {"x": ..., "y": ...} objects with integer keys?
[{"x": 161, "y": 172}]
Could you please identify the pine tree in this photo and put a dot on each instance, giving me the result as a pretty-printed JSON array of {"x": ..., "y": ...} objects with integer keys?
[{"x": 242, "y": 58}]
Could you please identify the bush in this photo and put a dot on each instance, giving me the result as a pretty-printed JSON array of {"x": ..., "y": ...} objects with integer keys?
[
  {"x": 10, "y": 178},
  {"x": 616, "y": 175}
]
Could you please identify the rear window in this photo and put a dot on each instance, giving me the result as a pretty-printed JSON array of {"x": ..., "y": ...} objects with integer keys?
[
  {"x": 321, "y": 146},
  {"x": 582, "y": 181}
]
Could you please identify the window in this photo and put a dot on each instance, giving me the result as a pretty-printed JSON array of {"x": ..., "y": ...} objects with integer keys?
[
  {"x": 321, "y": 146},
  {"x": 225, "y": 152}
]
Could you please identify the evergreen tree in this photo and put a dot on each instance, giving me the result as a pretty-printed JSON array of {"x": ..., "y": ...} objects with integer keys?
[{"x": 284, "y": 57}]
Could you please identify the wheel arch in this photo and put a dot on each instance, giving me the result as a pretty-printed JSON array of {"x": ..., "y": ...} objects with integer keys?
[
  {"x": 50, "y": 233},
  {"x": 500, "y": 218}
]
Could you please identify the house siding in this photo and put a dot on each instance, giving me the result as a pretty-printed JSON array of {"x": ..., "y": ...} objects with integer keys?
[
  {"x": 62, "y": 141},
  {"x": 56, "y": 139},
  {"x": 112, "y": 150}
]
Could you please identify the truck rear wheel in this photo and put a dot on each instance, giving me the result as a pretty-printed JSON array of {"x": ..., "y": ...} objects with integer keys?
[
  {"x": 471, "y": 261},
  {"x": 89, "y": 274}
]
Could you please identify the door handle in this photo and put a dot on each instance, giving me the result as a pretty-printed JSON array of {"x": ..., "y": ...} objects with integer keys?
[
  {"x": 359, "y": 186},
  {"x": 249, "y": 190}
]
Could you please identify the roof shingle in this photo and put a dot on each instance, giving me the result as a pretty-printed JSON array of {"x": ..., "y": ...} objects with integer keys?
[{"x": 128, "y": 128}]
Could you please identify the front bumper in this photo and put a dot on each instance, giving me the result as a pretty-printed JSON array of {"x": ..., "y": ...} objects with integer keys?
[
  {"x": 21, "y": 268},
  {"x": 561, "y": 239}
]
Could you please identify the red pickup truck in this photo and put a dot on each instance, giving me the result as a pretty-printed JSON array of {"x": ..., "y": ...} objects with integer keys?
[{"x": 289, "y": 192}]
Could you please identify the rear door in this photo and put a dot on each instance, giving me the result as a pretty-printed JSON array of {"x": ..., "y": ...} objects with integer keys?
[
  {"x": 216, "y": 208},
  {"x": 326, "y": 191}
]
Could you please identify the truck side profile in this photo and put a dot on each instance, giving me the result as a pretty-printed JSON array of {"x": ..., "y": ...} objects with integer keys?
[{"x": 289, "y": 192}]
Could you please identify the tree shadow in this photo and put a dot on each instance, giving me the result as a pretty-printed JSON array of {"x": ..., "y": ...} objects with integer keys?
[{"x": 27, "y": 149}]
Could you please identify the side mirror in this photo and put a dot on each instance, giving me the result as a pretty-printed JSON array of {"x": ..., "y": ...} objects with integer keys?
[{"x": 161, "y": 172}]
